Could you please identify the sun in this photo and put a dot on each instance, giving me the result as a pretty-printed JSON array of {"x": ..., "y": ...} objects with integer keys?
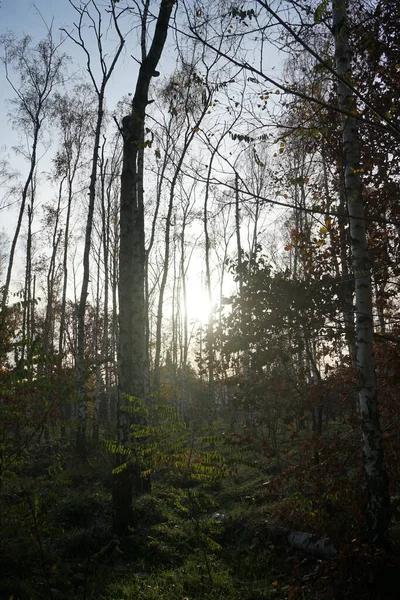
[{"x": 198, "y": 304}]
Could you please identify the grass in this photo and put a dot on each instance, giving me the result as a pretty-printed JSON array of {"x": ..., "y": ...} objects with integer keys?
[
  {"x": 57, "y": 540},
  {"x": 196, "y": 543}
]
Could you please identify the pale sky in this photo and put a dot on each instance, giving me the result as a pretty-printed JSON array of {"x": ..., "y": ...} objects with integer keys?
[
  {"x": 23, "y": 17},
  {"x": 27, "y": 18}
]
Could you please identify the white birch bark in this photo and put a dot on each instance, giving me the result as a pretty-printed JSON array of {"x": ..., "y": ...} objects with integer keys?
[{"x": 378, "y": 508}]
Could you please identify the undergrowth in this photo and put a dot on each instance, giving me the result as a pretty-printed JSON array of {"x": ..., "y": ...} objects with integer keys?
[
  {"x": 191, "y": 539},
  {"x": 57, "y": 542}
]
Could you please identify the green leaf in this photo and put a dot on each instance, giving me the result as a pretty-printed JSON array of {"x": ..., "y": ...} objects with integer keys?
[
  {"x": 120, "y": 468},
  {"x": 320, "y": 11}
]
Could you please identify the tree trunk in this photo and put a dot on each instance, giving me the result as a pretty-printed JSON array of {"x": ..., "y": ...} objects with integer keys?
[
  {"x": 61, "y": 334},
  {"x": 49, "y": 329},
  {"x": 26, "y": 326},
  {"x": 132, "y": 352},
  {"x": 189, "y": 136},
  {"x": 80, "y": 359},
  {"x": 378, "y": 508},
  {"x": 210, "y": 321},
  {"x": 25, "y": 191},
  {"x": 105, "y": 235},
  {"x": 106, "y": 72},
  {"x": 347, "y": 289},
  {"x": 98, "y": 332},
  {"x": 185, "y": 330}
]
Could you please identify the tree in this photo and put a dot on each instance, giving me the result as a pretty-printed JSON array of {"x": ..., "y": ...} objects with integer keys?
[
  {"x": 110, "y": 169},
  {"x": 38, "y": 71},
  {"x": 192, "y": 113},
  {"x": 106, "y": 70},
  {"x": 378, "y": 508},
  {"x": 72, "y": 113},
  {"x": 346, "y": 107},
  {"x": 132, "y": 352}
]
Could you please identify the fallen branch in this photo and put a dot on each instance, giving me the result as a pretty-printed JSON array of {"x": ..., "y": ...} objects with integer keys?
[{"x": 307, "y": 543}]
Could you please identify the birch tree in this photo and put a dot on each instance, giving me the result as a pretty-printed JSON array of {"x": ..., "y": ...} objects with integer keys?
[
  {"x": 91, "y": 13},
  {"x": 72, "y": 112},
  {"x": 33, "y": 74},
  {"x": 378, "y": 508}
]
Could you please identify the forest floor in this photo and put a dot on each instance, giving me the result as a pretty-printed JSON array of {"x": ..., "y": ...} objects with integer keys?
[{"x": 189, "y": 542}]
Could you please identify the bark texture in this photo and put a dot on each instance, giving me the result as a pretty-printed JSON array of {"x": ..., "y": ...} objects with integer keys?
[
  {"x": 132, "y": 352},
  {"x": 378, "y": 508}
]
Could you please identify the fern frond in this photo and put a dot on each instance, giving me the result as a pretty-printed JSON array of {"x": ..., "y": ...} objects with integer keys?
[
  {"x": 117, "y": 448},
  {"x": 120, "y": 468},
  {"x": 212, "y": 544},
  {"x": 212, "y": 439}
]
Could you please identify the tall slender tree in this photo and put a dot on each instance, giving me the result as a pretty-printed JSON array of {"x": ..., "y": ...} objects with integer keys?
[
  {"x": 95, "y": 19},
  {"x": 72, "y": 112},
  {"x": 378, "y": 508},
  {"x": 193, "y": 113},
  {"x": 37, "y": 73},
  {"x": 132, "y": 352}
]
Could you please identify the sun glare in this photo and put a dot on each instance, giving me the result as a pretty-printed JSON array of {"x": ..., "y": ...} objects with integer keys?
[{"x": 198, "y": 305}]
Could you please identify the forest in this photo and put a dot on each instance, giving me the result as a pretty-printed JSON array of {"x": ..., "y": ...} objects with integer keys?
[{"x": 200, "y": 319}]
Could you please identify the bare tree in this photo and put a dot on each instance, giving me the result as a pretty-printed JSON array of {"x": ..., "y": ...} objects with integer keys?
[
  {"x": 110, "y": 174},
  {"x": 72, "y": 114},
  {"x": 91, "y": 13},
  {"x": 187, "y": 106},
  {"x": 33, "y": 74},
  {"x": 132, "y": 352}
]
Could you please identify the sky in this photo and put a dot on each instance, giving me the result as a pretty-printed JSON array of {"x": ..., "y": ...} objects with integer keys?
[
  {"x": 27, "y": 18},
  {"x": 23, "y": 17}
]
